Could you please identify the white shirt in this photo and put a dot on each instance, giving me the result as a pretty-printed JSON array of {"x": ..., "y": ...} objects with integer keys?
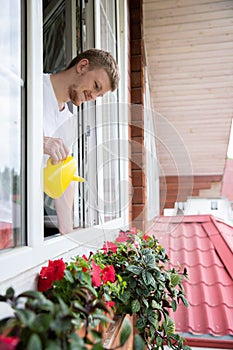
[
  {"x": 59, "y": 124},
  {"x": 53, "y": 117}
]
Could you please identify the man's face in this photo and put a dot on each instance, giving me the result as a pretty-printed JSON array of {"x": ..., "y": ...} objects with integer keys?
[{"x": 88, "y": 85}]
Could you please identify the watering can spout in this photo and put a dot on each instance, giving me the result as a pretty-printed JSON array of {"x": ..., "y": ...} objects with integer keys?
[
  {"x": 78, "y": 178},
  {"x": 57, "y": 177}
]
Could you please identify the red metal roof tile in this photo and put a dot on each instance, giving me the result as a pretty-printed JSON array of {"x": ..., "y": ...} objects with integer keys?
[{"x": 204, "y": 245}]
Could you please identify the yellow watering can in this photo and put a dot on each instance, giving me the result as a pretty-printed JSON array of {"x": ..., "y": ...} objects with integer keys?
[{"x": 57, "y": 177}]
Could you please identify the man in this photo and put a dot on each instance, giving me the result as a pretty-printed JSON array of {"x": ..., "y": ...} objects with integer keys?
[{"x": 89, "y": 75}]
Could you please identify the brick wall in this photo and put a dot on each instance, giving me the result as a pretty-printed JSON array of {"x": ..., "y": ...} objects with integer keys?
[{"x": 136, "y": 131}]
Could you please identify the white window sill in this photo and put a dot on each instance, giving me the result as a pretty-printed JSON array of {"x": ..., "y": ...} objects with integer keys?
[{"x": 22, "y": 265}]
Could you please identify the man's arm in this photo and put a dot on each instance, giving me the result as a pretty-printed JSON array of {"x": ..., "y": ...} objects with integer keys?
[{"x": 64, "y": 209}]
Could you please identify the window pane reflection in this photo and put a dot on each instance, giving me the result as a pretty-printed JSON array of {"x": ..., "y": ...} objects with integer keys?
[{"x": 10, "y": 131}]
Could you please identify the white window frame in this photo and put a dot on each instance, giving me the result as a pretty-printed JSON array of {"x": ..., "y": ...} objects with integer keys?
[
  {"x": 22, "y": 264},
  {"x": 122, "y": 58}
]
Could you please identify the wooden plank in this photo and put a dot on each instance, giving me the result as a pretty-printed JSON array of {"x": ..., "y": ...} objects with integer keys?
[
  {"x": 178, "y": 101},
  {"x": 194, "y": 46},
  {"x": 200, "y": 81},
  {"x": 190, "y": 37},
  {"x": 189, "y": 58},
  {"x": 161, "y": 4},
  {"x": 194, "y": 18},
  {"x": 178, "y": 29},
  {"x": 112, "y": 336},
  {"x": 195, "y": 88},
  {"x": 223, "y": 70}
]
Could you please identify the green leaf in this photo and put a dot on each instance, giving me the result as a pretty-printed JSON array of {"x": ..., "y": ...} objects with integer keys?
[
  {"x": 34, "y": 342},
  {"x": 135, "y": 306},
  {"x": 145, "y": 302},
  {"x": 140, "y": 324},
  {"x": 38, "y": 299},
  {"x": 138, "y": 343},
  {"x": 135, "y": 269},
  {"x": 97, "y": 347},
  {"x": 76, "y": 342},
  {"x": 10, "y": 293},
  {"x": 53, "y": 345},
  {"x": 147, "y": 277},
  {"x": 185, "y": 301},
  {"x": 69, "y": 276},
  {"x": 125, "y": 296},
  {"x": 174, "y": 305},
  {"x": 102, "y": 317},
  {"x": 78, "y": 307},
  {"x": 169, "y": 325},
  {"x": 32, "y": 294},
  {"x": 41, "y": 323},
  {"x": 159, "y": 342},
  {"x": 149, "y": 260},
  {"x": 27, "y": 317},
  {"x": 156, "y": 305},
  {"x": 125, "y": 331},
  {"x": 175, "y": 279}
]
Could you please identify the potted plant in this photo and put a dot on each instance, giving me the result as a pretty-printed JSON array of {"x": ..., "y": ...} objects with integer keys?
[
  {"x": 146, "y": 286},
  {"x": 130, "y": 275}
]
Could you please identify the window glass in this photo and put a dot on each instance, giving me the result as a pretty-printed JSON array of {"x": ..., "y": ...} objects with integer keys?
[
  {"x": 110, "y": 169},
  {"x": 54, "y": 40},
  {"x": 11, "y": 85}
]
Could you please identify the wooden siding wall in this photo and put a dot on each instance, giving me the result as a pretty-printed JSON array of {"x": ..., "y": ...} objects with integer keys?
[
  {"x": 189, "y": 49},
  {"x": 137, "y": 162}
]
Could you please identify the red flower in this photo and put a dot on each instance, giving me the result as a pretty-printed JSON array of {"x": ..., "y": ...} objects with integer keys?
[
  {"x": 58, "y": 267},
  {"x": 54, "y": 272},
  {"x": 145, "y": 237},
  {"x": 96, "y": 279},
  {"x": 86, "y": 259},
  {"x": 110, "y": 303},
  {"x": 108, "y": 274},
  {"x": 8, "y": 343},
  {"x": 109, "y": 246},
  {"x": 104, "y": 275}
]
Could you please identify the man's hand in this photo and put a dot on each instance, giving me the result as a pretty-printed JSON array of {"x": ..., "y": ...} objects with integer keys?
[{"x": 55, "y": 148}]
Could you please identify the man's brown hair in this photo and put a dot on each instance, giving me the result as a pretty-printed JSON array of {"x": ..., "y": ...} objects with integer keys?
[{"x": 100, "y": 59}]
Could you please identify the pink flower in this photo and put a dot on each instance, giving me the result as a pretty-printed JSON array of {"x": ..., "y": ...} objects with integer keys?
[
  {"x": 96, "y": 279},
  {"x": 122, "y": 237},
  {"x": 53, "y": 272},
  {"x": 8, "y": 343},
  {"x": 134, "y": 230},
  {"x": 109, "y": 246},
  {"x": 108, "y": 274}
]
